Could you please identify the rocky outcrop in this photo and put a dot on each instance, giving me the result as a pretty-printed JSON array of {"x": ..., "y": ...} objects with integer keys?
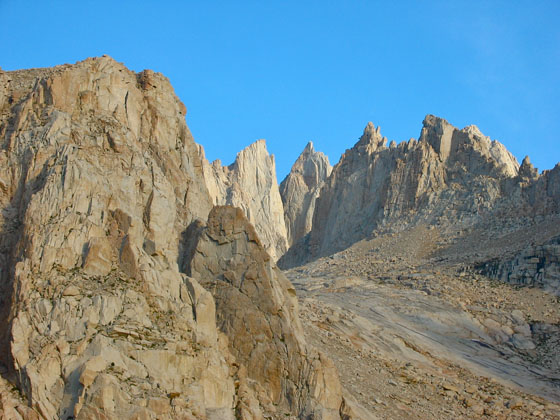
[
  {"x": 447, "y": 175},
  {"x": 533, "y": 193},
  {"x": 300, "y": 190},
  {"x": 99, "y": 180},
  {"x": 467, "y": 150},
  {"x": 99, "y": 176},
  {"x": 13, "y": 406},
  {"x": 536, "y": 265},
  {"x": 527, "y": 172},
  {"x": 250, "y": 184},
  {"x": 257, "y": 309}
]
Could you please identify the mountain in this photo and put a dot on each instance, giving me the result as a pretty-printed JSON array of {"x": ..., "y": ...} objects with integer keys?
[
  {"x": 300, "y": 190},
  {"x": 137, "y": 280},
  {"x": 449, "y": 177},
  {"x": 102, "y": 189},
  {"x": 257, "y": 309},
  {"x": 250, "y": 184}
]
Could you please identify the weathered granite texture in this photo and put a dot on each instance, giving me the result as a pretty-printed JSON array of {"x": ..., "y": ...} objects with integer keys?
[
  {"x": 300, "y": 190},
  {"x": 250, "y": 184},
  {"x": 448, "y": 177},
  {"x": 257, "y": 309},
  {"x": 99, "y": 180}
]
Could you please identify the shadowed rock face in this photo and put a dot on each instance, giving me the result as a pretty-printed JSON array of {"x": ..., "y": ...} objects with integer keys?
[
  {"x": 257, "y": 309},
  {"x": 535, "y": 265},
  {"x": 300, "y": 190},
  {"x": 250, "y": 184}
]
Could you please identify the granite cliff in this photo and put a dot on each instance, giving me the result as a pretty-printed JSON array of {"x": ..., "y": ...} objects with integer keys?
[
  {"x": 250, "y": 184},
  {"x": 449, "y": 177},
  {"x": 257, "y": 310},
  {"x": 431, "y": 276},
  {"x": 101, "y": 186},
  {"x": 300, "y": 190}
]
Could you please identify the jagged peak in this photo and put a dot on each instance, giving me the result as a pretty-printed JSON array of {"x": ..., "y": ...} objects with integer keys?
[
  {"x": 434, "y": 129},
  {"x": 431, "y": 120},
  {"x": 527, "y": 170},
  {"x": 441, "y": 124},
  {"x": 259, "y": 144},
  {"x": 370, "y": 129},
  {"x": 442, "y": 137},
  {"x": 371, "y": 138},
  {"x": 309, "y": 150},
  {"x": 257, "y": 148},
  {"x": 474, "y": 130},
  {"x": 446, "y": 140},
  {"x": 309, "y": 156}
]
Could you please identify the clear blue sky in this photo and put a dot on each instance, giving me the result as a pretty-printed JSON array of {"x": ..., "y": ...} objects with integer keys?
[{"x": 294, "y": 71}]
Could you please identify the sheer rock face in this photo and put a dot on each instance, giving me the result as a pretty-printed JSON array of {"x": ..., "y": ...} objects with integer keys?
[
  {"x": 257, "y": 309},
  {"x": 250, "y": 184},
  {"x": 99, "y": 180},
  {"x": 99, "y": 174},
  {"x": 447, "y": 175},
  {"x": 300, "y": 190}
]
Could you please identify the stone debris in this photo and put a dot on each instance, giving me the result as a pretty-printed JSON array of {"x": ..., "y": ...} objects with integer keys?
[
  {"x": 536, "y": 265},
  {"x": 407, "y": 354}
]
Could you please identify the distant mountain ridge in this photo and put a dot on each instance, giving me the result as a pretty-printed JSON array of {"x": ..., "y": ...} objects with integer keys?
[{"x": 449, "y": 176}]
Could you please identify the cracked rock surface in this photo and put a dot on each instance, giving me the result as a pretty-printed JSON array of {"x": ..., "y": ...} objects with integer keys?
[{"x": 99, "y": 181}]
